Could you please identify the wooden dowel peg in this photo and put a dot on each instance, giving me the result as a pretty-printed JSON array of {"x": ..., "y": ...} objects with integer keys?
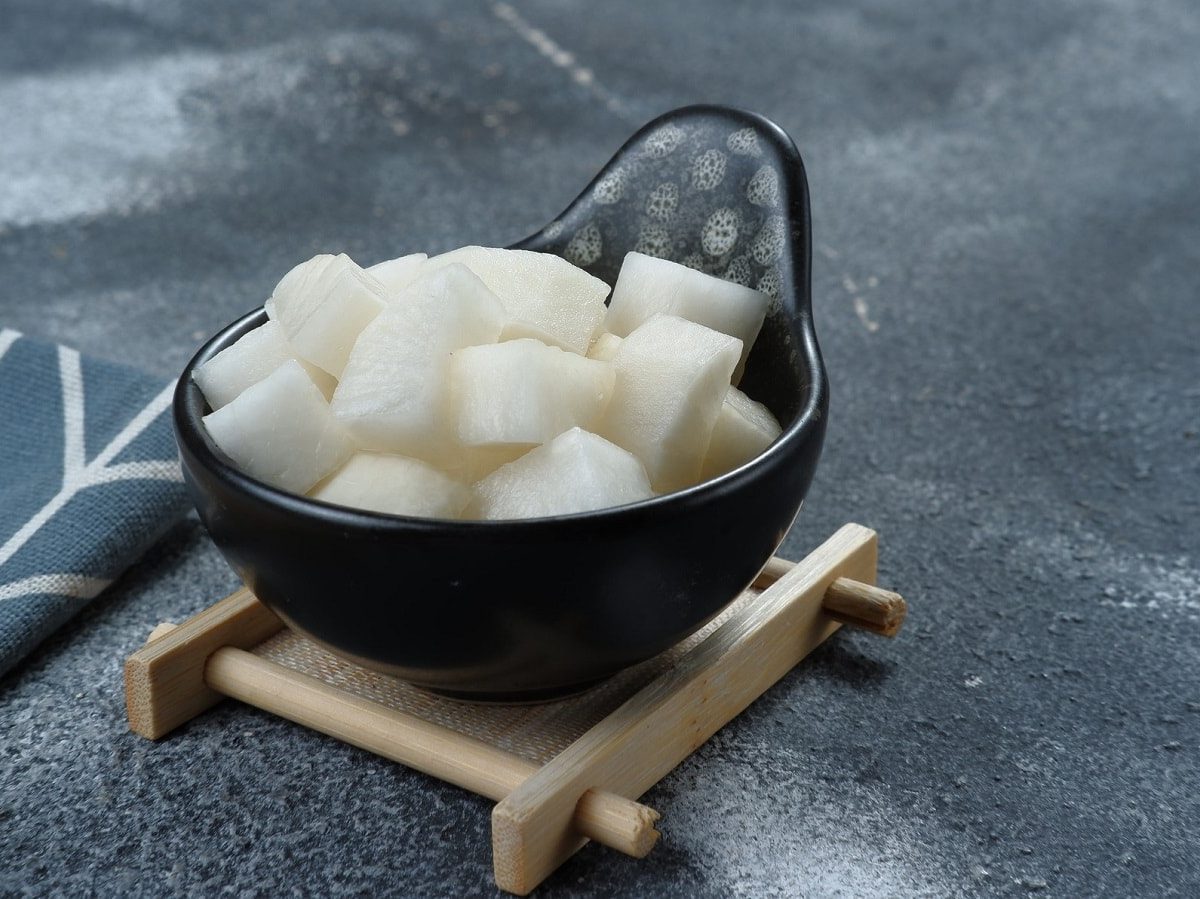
[
  {"x": 865, "y": 606},
  {"x": 772, "y": 571},
  {"x": 164, "y": 679},
  {"x": 851, "y": 602},
  {"x": 161, "y": 630},
  {"x": 614, "y": 821}
]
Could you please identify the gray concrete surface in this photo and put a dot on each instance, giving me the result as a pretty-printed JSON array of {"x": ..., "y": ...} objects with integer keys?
[{"x": 1007, "y": 245}]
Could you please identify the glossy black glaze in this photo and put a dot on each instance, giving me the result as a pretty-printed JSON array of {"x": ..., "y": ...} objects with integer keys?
[{"x": 509, "y": 611}]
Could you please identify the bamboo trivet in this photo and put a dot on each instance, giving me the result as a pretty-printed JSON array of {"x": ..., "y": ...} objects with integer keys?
[{"x": 562, "y": 772}]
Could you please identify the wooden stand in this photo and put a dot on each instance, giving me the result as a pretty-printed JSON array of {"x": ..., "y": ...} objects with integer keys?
[{"x": 563, "y": 772}]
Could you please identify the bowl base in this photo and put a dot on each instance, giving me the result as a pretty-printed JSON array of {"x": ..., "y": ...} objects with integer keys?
[{"x": 516, "y": 697}]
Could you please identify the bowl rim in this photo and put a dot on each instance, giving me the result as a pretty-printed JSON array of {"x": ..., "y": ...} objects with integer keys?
[{"x": 194, "y": 438}]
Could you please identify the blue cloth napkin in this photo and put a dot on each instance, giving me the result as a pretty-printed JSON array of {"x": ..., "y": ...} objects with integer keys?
[{"x": 89, "y": 479}]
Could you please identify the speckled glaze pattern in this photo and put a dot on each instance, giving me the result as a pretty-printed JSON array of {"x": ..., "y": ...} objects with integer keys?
[
  {"x": 700, "y": 191},
  {"x": 721, "y": 191}
]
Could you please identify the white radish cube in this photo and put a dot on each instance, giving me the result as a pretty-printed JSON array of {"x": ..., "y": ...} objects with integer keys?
[
  {"x": 546, "y": 297},
  {"x": 604, "y": 347},
  {"x": 323, "y": 305},
  {"x": 397, "y": 274},
  {"x": 575, "y": 472},
  {"x": 743, "y": 430},
  {"x": 254, "y": 356},
  {"x": 396, "y": 485},
  {"x": 281, "y": 431},
  {"x": 472, "y": 463},
  {"x": 524, "y": 392},
  {"x": 299, "y": 280},
  {"x": 393, "y": 395},
  {"x": 672, "y": 377},
  {"x": 647, "y": 286},
  {"x": 325, "y": 382}
]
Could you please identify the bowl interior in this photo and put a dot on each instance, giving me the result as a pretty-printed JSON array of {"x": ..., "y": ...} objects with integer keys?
[{"x": 717, "y": 189}]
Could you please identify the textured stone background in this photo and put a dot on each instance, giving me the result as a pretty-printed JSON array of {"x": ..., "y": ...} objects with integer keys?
[{"x": 1007, "y": 248}]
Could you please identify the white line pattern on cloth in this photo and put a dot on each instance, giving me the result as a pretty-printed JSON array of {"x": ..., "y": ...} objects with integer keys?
[
  {"x": 7, "y": 338},
  {"x": 70, "y": 375},
  {"x": 92, "y": 473},
  {"x": 149, "y": 470},
  {"x": 76, "y": 586}
]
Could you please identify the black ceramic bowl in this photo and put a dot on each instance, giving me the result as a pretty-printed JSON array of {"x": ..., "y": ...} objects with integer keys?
[{"x": 521, "y": 610}]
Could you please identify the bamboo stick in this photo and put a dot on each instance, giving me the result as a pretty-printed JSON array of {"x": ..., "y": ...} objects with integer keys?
[
  {"x": 616, "y": 822},
  {"x": 772, "y": 571},
  {"x": 865, "y": 606},
  {"x": 161, "y": 630},
  {"x": 851, "y": 602},
  {"x": 164, "y": 680}
]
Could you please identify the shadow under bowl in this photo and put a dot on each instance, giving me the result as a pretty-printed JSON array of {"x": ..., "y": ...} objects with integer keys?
[{"x": 534, "y": 609}]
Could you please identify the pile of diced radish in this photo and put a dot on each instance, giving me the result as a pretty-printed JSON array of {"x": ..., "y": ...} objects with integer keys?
[{"x": 490, "y": 384}]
